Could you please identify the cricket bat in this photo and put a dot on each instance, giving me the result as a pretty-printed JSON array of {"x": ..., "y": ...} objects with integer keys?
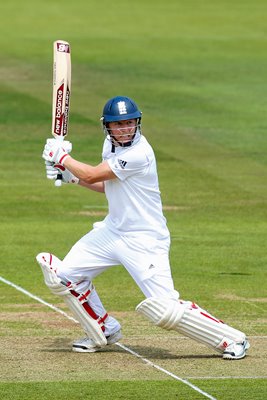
[{"x": 61, "y": 92}]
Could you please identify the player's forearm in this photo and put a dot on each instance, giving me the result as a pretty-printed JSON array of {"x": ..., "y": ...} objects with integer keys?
[
  {"x": 96, "y": 187},
  {"x": 89, "y": 174},
  {"x": 84, "y": 172}
]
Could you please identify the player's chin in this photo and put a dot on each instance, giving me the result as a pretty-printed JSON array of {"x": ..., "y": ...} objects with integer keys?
[{"x": 125, "y": 139}]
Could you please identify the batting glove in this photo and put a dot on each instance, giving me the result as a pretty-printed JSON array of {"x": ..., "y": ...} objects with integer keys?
[
  {"x": 56, "y": 151},
  {"x": 52, "y": 171}
]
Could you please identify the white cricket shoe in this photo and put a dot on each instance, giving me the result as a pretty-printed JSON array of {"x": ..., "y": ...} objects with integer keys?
[
  {"x": 236, "y": 351},
  {"x": 87, "y": 345}
]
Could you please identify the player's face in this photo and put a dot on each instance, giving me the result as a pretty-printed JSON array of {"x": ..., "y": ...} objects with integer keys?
[{"x": 123, "y": 131}]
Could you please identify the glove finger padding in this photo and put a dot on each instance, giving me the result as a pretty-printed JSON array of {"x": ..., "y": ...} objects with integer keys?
[
  {"x": 52, "y": 171},
  {"x": 56, "y": 150},
  {"x": 66, "y": 144}
]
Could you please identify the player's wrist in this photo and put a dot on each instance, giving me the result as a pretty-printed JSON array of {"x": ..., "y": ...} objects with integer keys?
[
  {"x": 62, "y": 156},
  {"x": 74, "y": 180}
]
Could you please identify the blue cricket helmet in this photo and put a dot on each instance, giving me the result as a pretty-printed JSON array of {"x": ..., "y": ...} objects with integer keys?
[{"x": 120, "y": 108}]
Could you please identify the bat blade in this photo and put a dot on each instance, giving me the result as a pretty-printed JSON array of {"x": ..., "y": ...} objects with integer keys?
[{"x": 61, "y": 91}]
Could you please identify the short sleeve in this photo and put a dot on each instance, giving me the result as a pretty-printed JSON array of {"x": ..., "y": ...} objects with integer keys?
[{"x": 128, "y": 164}]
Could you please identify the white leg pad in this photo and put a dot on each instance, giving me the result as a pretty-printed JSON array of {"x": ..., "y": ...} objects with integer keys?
[
  {"x": 90, "y": 322},
  {"x": 48, "y": 263},
  {"x": 163, "y": 312},
  {"x": 91, "y": 326},
  {"x": 187, "y": 318}
]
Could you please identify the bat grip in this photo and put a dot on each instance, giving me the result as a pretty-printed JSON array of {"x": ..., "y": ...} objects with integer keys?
[{"x": 58, "y": 181}]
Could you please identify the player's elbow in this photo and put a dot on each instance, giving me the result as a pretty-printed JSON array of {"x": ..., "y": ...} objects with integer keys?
[
  {"x": 91, "y": 179},
  {"x": 100, "y": 173}
]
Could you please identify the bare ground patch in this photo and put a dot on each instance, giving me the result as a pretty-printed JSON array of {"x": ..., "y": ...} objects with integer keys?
[
  {"x": 230, "y": 296},
  {"x": 36, "y": 346}
]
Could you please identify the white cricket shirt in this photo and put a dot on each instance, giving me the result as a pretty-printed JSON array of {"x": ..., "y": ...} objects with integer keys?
[{"x": 134, "y": 198}]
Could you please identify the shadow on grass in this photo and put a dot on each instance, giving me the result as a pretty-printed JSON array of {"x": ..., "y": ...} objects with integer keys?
[
  {"x": 163, "y": 354},
  {"x": 63, "y": 345}
]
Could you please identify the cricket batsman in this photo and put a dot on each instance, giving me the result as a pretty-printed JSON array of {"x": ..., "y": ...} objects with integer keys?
[{"x": 134, "y": 234}]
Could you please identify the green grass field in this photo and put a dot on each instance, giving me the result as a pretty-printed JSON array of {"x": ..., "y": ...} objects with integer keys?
[{"x": 197, "y": 69}]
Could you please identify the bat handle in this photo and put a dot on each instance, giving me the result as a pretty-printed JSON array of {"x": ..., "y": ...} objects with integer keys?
[{"x": 58, "y": 181}]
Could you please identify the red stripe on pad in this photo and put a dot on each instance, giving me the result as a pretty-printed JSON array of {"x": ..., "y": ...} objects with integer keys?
[
  {"x": 84, "y": 296},
  {"x": 210, "y": 317},
  {"x": 88, "y": 308},
  {"x": 90, "y": 311},
  {"x": 103, "y": 319}
]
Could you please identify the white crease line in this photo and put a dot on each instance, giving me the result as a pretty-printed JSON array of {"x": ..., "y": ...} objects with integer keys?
[
  {"x": 165, "y": 371},
  {"x": 197, "y": 389},
  {"x": 20, "y": 289},
  {"x": 225, "y": 377}
]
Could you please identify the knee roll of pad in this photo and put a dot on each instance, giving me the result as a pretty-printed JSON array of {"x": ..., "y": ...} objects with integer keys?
[
  {"x": 49, "y": 264},
  {"x": 163, "y": 312}
]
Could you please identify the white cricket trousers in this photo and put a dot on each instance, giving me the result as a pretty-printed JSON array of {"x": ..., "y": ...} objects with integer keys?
[{"x": 145, "y": 258}]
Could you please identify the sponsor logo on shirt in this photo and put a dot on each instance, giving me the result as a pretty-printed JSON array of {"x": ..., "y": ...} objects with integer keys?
[{"x": 122, "y": 163}]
